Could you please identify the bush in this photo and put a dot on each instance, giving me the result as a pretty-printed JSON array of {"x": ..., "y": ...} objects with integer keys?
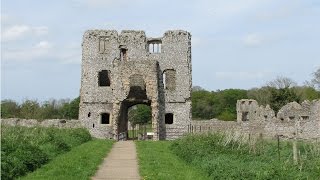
[{"x": 26, "y": 149}]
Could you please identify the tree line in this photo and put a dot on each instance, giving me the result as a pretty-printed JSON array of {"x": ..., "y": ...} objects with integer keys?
[
  {"x": 32, "y": 109},
  {"x": 220, "y": 104}
]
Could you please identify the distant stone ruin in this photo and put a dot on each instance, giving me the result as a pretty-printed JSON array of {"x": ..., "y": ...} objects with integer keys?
[
  {"x": 122, "y": 70},
  {"x": 292, "y": 121}
]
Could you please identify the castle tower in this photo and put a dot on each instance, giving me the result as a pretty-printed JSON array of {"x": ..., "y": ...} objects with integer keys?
[{"x": 122, "y": 70}]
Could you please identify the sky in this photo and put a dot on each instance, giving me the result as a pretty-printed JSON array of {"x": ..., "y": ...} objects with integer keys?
[{"x": 235, "y": 43}]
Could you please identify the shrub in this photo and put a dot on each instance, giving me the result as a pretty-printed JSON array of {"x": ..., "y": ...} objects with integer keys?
[{"x": 26, "y": 149}]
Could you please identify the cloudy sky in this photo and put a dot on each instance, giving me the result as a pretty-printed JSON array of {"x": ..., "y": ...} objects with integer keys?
[{"x": 235, "y": 43}]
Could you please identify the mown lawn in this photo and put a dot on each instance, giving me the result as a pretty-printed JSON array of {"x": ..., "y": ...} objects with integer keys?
[
  {"x": 156, "y": 161},
  {"x": 79, "y": 163}
]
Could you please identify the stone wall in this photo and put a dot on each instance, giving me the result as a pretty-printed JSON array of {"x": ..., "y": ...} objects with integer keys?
[
  {"x": 292, "y": 121},
  {"x": 58, "y": 123},
  {"x": 138, "y": 68}
]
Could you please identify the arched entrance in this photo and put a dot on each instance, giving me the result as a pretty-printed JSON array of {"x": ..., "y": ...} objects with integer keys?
[{"x": 139, "y": 93}]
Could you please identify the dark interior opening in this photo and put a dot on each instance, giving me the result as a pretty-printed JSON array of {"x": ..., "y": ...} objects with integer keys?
[
  {"x": 169, "y": 118},
  {"x": 105, "y": 118},
  {"x": 123, "y": 54},
  {"x": 245, "y": 116},
  {"x": 104, "y": 78}
]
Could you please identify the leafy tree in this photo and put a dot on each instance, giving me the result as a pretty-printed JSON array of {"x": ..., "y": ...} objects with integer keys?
[
  {"x": 71, "y": 110},
  {"x": 281, "y": 97},
  {"x": 30, "y": 109},
  {"x": 262, "y": 95},
  {"x": 139, "y": 114},
  {"x": 9, "y": 109},
  {"x": 202, "y": 104}
]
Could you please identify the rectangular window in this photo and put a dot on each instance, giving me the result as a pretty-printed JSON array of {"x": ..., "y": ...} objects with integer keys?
[
  {"x": 105, "y": 118},
  {"x": 104, "y": 78},
  {"x": 169, "y": 118}
]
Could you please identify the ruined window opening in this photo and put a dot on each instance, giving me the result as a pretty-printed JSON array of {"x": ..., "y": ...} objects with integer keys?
[
  {"x": 89, "y": 114},
  {"x": 93, "y": 125},
  {"x": 242, "y": 102},
  {"x": 103, "y": 44},
  {"x": 291, "y": 117},
  {"x": 305, "y": 117},
  {"x": 154, "y": 46},
  {"x": 281, "y": 119},
  {"x": 123, "y": 54},
  {"x": 250, "y": 102},
  {"x": 169, "y": 118},
  {"x": 265, "y": 117},
  {"x": 104, "y": 78},
  {"x": 169, "y": 81},
  {"x": 245, "y": 116},
  {"x": 105, "y": 118}
]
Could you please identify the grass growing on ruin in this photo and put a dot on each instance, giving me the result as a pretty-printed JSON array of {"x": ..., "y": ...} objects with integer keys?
[
  {"x": 156, "y": 161},
  {"x": 238, "y": 157},
  {"x": 25, "y": 149},
  {"x": 80, "y": 163}
]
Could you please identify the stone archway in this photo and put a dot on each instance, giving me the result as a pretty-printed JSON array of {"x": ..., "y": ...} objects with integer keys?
[{"x": 140, "y": 90}]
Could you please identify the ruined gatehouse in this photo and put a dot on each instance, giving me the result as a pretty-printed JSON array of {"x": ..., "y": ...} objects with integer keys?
[{"x": 122, "y": 70}]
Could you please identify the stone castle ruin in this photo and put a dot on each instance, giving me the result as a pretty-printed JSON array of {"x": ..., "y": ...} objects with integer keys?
[
  {"x": 293, "y": 120},
  {"x": 126, "y": 69}
]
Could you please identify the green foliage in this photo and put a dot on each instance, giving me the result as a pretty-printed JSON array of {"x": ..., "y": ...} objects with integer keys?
[
  {"x": 9, "y": 109},
  {"x": 79, "y": 163},
  {"x": 71, "y": 110},
  {"x": 139, "y": 114},
  {"x": 220, "y": 104},
  {"x": 233, "y": 157},
  {"x": 281, "y": 97},
  {"x": 156, "y": 161},
  {"x": 25, "y": 149},
  {"x": 31, "y": 109}
]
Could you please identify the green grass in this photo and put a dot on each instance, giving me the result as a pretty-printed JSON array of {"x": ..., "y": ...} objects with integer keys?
[
  {"x": 79, "y": 163},
  {"x": 25, "y": 149},
  {"x": 226, "y": 157},
  {"x": 156, "y": 161}
]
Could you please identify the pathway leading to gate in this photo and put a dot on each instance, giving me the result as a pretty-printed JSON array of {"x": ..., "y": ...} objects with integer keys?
[{"x": 120, "y": 163}]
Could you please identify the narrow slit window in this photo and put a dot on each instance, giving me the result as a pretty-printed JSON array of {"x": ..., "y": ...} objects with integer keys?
[{"x": 123, "y": 54}]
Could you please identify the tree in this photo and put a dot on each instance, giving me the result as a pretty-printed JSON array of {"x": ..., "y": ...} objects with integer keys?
[
  {"x": 281, "y": 97},
  {"x": 262, "y": 95},
  {"x": 316, "y": 78},
  {"x": 71, "y": 110},
  {"x": 30, "y": 109},
  {"x": 139, "y": 114},
  {"x": 9, "y": 109},
  {"x": 282, "y": 82}
]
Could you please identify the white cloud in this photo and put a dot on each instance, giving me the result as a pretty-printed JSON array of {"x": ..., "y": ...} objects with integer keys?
[
  {"x": 242, "y": 75},
  {"x": 39, "y": 50},
  {"x": 16, "y": 32},
  {"x": 253, "y": 39}
]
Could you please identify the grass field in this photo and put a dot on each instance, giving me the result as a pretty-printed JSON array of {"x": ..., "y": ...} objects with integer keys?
[
  {"x": 156, "y": 161},
  {"x": 79, "y": 163},
  {"x": 234, "y": 157},
  {"x": 25, "y": 149}
]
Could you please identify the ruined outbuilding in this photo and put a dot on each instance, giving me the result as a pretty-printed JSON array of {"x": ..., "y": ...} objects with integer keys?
[{"x": 122, "y": 70}]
